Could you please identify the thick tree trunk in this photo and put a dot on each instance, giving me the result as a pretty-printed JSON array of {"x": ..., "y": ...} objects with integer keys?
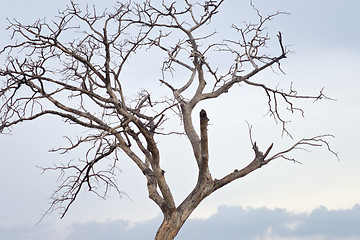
[{"x": 170, "y": 227}]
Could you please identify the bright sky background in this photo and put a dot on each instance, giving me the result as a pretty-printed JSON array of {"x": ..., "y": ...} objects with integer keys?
[{"x": 325, "y": 39}]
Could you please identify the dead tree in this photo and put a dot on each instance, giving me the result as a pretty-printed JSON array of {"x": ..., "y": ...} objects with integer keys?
[{"x": 71, "y": 68}]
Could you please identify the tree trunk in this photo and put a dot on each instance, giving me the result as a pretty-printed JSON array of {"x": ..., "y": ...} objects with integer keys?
[{"x": 170, "y": 227}]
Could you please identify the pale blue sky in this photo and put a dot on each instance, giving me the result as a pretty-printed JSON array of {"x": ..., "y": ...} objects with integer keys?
[{"x": 325, "y": 39}]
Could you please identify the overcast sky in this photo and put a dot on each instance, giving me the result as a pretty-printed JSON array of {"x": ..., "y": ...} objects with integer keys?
[{"x": 314, "y": 200}]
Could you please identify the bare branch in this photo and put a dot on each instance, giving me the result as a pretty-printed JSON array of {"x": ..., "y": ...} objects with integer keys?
[{"x": 317, "y": 141}]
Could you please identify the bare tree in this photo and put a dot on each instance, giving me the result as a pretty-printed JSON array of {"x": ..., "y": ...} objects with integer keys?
[{"x": 81, "y": 82}]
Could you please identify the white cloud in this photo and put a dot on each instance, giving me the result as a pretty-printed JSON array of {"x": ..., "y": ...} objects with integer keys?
[
  {"x": 230, "y": 223},
  {"x": 275, "y": 224},
  {"x": 292, "y": 225}
]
